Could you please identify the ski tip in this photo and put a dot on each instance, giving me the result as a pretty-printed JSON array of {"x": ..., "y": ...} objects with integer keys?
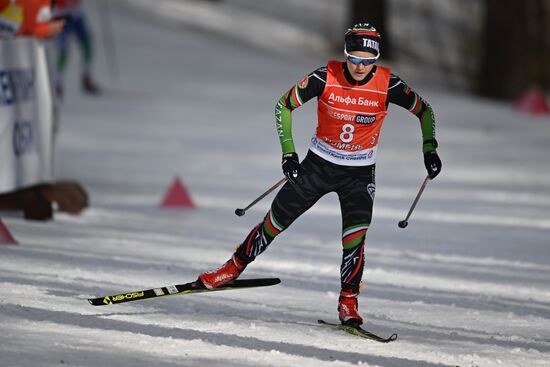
[
  {"x": 100, "y": 301},
  {"x": 94, "y": 301}
]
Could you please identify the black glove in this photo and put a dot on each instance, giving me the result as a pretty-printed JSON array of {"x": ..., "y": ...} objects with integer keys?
[
  {"x": 432, "y": 163},
  {"x": 291, "y": 166}
]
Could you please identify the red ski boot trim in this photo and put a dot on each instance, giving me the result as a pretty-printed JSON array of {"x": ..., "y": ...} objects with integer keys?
[
  {"x": 347, "y": 308},
  {"x": 226, "y": 273}
]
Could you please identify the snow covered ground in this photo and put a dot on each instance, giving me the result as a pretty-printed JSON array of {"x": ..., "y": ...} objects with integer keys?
[{"x": 466, "y": 284}]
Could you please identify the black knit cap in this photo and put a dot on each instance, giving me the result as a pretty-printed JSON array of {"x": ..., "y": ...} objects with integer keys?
[{"x": 363, "y": 37}]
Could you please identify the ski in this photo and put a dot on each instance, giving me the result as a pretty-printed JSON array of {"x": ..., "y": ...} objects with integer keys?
[
  {"x": 358, "y": 331},
  {"x": 180, "y": 289}
]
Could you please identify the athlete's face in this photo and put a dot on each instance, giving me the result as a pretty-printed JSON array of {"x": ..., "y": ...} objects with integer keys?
[{"x": 359, "y": 71}]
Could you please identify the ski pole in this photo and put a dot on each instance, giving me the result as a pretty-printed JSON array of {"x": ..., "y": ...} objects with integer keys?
[
  {"x": 241, "y": 212},
  {"x": 404, "y": 222}
]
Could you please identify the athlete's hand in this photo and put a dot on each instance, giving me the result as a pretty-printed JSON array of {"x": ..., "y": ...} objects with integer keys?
[
  {"x": 291, "y": 166},
  {"x": 432, "y": 163}
]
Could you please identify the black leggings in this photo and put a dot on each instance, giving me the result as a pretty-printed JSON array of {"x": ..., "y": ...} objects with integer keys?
[{"x": 355, "y": 187}]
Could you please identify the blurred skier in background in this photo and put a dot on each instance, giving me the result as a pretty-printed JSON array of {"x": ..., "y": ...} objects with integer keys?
[
  {"x": 75, "y": 23},
  {"x": 28, "y": 18},
  {"x": 352, "y": 101},
  {"x": 34, "y": 18}
]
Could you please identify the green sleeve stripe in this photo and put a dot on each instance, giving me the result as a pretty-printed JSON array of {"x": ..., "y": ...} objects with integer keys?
[
  {"x": 283, "y": 120},
  {"x": 427, "y": 124}
]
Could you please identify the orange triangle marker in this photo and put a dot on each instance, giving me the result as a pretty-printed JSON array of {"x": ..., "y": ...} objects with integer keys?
[
  {"x": 177, "y": 197},
  {"x": 533, "y": 102},
  {"x": 5, "y": 236}
]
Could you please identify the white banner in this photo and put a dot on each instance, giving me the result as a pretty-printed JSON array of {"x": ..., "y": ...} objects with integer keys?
[{"x": 26, "y": 115}]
